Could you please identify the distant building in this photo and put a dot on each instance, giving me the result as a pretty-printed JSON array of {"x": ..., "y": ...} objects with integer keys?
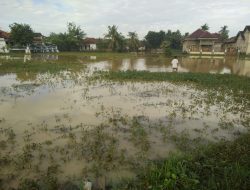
[
  {"x": 39, "y": 45},
  {"x": 89, "y": 44},
  {"x": 203, "y": 42},
  {"x": 239, "y": 43},
  {"x": 38, "y": 39},
  {"x": 4, "y": 41}
]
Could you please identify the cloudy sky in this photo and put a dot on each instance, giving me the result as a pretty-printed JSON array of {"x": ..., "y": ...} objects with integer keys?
[{"x": 94, "y": 16}]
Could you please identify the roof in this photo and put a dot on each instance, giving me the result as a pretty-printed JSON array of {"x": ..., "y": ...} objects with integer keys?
[
  {"x": 4, "y": 35},
  {"x": 240, "y": 33},
  {"x": 199, "y": 34},
  {"x": 247, "y": 28},
  {"x": 231, "y": 40},
  {"x": 38, "y": 35},
  {"x": 89, "y": 41}
]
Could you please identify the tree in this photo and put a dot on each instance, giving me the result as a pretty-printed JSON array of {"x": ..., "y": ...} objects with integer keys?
[
  {"x": 133, "y": 41},
  {"x": 70, "y": 40},
  {"x": 166, "y": 47},
  {"x": 224, "y": 32},
  {"x": 205, "y": 27},
  {"x": 75, "y": 34},
  {"x": 102, "y": 44},
  {"x": 21, "y": 34},
  {"x": 116, "y": 39},
  {"x": 60, "y": 40},
  {"x": 186, "y": 35},
  {"x": 155, "y": 39},
  {"x": 176, "y": 40}
]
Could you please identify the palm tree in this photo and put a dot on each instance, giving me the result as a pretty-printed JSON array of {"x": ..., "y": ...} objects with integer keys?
[
  {"x": 205, "y": 27},
  {"x": 116, "y": 38},
  {"x": 133, "y": 41},
  {"x": 75, "y": 34},
  {"x": 224, "y": 32}
]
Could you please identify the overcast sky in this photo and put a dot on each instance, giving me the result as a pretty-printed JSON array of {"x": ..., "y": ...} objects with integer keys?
[{"x": 94, "y": 16}]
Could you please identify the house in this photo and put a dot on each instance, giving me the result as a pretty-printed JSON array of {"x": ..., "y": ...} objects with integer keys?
[
  {"x": 39, "y": 45},
  {"x": 4, "y": 41},
  {"x": 239, "y": 43},
  {"x": 38, "y": 39},
  {"x": 89, "y": 44},
  {"x": 203, "y": 42}
]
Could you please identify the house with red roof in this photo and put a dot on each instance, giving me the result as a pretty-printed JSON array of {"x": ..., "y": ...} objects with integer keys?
[
  {"x": 4, "y": 41},
  {"x": 203, "y": 42},
  {"x": 89, "y": 44},
  {"x": 239, "y": 43}
]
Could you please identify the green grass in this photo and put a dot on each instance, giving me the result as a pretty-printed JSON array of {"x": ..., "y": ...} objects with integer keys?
[
  {"x": 237, "y": 84},
  {"x": 99, "y": 54},
  {"x": 18, "y": 66},
  {"x": 225, "y": 165}
]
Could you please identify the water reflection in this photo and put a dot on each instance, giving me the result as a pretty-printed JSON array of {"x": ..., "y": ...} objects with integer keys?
[
  {"x": 126, "y": 65},
  {"x": 26, "y": 58},
  {"x": 150, "y": 63},
  {"x": 67, "y": 115},
  {"x": 242, "y": 67},
  {"x": 45, "y": 57},
  {"x": 222, "y": 65},
  {"x": 140, "y": 65},
  {"x": 99, "y": 66}
]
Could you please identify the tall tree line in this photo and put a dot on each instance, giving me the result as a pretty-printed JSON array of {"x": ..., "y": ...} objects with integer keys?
[
  {"x": 72, "y": 39},
  {"x": 155, "y": 40}
]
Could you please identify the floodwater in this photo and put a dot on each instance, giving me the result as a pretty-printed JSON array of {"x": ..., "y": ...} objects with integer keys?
[
  {"x": 152, "y": 63},
  {"x": 89, "y": 128}
]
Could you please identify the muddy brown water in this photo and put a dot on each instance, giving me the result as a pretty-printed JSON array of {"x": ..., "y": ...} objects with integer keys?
[
  {"x": 94, "y": 128},
  {"x": 153, "y": 63}
]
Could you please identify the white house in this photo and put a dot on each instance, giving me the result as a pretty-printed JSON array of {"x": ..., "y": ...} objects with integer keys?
[
  {"x": 4, "y": 38},
  {"x": 89, "y": 44}
]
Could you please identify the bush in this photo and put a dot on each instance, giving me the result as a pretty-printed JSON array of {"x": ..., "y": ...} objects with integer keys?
[{"x": 220, "y": 166}]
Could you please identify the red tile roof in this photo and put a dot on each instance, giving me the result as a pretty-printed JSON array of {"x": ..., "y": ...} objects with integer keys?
[
  {"x": 203, "y": 34},
  {"x": 4, "y": 35},
  {"x": 89, "y": 41}
]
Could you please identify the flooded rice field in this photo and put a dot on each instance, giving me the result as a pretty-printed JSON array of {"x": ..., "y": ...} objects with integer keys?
[
  {"x": 141, "y": 62},
  {"x": 79, "y": 128}
]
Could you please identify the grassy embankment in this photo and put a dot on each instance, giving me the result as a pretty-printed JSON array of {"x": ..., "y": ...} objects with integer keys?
[{"x": 225, "y": 165}]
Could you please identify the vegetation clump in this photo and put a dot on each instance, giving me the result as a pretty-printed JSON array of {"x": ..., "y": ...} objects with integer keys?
[
  {"x": 220, "y": 166},
  {"x": 239, "y": 85}
]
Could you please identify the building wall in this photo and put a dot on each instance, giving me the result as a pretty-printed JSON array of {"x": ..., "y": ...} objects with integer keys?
[
  {"x": 248, "y": 42},
  {"x": 38, "y": 40},
  {"x": 204, "y": 45},
  {"x": 93, "y": 47},
  {"x": 231, "y": 48},
  {"x": 241, "y": 44},
  {"x": 218, "y": 47},
  {"x": 190, "y": 46},
  {"x": 2, "y": 45},
  {"x": 89, "y": 47}
]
